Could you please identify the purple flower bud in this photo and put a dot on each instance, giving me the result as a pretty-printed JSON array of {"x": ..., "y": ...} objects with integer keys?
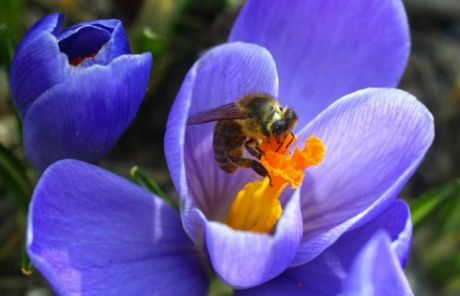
[{"x": 76, "y": 89}]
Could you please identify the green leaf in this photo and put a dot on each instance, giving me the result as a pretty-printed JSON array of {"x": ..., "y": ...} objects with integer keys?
[
  {"x": 437, "y": 237},
  {"x": 138, "y": 176},
  {"x": 10, "y": 21},
  {"x": 6, "y": 46},
  {"x": 11, "y": 13},
  {"x": 13, "y": 177},
  {"x": 440, "y": 263},
  {"x": 218, "y": 288},
  {"x": 424, "y": 206},
  {"x": 233, "y": 3},
  {"x": 451, "y": 221},
  {"x": 151, "y": 41}
]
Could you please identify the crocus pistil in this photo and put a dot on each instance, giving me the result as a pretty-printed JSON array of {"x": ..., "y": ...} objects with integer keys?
[
  {"x": 257, "y": 207},
  {"x": 78, "y": 60}
]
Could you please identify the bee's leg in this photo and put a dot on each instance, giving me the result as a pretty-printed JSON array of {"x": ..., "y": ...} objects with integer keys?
[
  {"x": 253, "y": 148},
  {"x": 235, "y": 156}
]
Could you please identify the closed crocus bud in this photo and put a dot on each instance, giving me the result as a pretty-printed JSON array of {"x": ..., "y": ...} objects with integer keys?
[{"x": 76, "y": 89}]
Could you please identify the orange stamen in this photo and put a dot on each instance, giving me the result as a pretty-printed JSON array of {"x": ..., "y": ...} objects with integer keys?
[
  {"x": 257, "y": 207},
  {"x": 286, "y": 168}
]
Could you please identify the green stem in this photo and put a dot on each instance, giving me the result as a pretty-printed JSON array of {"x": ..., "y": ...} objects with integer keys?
[{"x": 138, "y": 176}]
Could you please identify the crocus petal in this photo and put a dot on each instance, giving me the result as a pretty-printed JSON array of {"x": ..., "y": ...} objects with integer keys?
[
  {"x": 38, "y": 63},
  {"x": 221, "y": 76},
  {"x": 92, "y": 232},
  {"x": 326, "y": 49},
  {"x": 108, "y": 40},
  {"x": 246, "y": 259},
  {"x": 84, "y": 116},
  {"x": 397, "y": 223},
  {"x": 375, "y": 139},
  {"x": 328, "y": 273},
  {"x": 377, "y": 271}
]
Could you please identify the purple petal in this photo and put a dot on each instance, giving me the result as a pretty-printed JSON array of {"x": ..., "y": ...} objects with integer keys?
[
  {"x": 221, "y": 76},
  {"x": 38, "y": 63},
  {"x": 375, "y": 139},
  {"x": 397, "y": 223},
  {"x": 329, "y": 272},
  {"x": 377, "y": 271},
  {"x": 324, "y": 49},
  {"x": 84, "y": 116},
  {"x": 108, "y": 39},
  {"x": 246, "y": 259},
  {"x": 92, "y": 232}
]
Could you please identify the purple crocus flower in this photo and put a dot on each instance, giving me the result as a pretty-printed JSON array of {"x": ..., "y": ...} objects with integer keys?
[
  {"x": 76, "y": 89},
  {"x": 342, "y": 232},
  {"x": 310, "y": 55}
]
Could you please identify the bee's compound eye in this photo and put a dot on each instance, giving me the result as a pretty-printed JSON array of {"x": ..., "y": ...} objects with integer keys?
[{"x": 279, "y": 127}]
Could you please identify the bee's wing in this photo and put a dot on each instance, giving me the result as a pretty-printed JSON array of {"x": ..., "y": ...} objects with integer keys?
[{"x": 228, "y": 111}]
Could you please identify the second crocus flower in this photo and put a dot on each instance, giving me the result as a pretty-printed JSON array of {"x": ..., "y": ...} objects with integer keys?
[{"x": 77, "y": 89}]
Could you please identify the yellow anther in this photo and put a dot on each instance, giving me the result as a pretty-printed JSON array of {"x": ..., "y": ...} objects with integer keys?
[{"x": 257, "y": 207}]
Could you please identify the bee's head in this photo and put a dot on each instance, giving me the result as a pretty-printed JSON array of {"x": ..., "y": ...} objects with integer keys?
[{"x": 283, "y": 126}]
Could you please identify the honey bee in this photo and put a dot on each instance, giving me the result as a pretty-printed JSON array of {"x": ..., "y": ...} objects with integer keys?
[{"x": 255, "y": 118}]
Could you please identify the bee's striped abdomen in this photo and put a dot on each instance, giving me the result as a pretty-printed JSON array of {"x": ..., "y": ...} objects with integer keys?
[{"x": 228, "y": 136}]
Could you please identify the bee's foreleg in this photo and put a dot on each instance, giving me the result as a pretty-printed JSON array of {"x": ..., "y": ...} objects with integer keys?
[
  {"x": 253, "y": 148},
  {"x": 234, "y": 155},
  {"x": 260, "y": 170}
]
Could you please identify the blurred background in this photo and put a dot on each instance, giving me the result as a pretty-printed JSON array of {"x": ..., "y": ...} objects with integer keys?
[{"x": 176, "y": 32}]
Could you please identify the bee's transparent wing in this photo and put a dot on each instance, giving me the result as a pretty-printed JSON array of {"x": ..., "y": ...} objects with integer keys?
[{"x": 228, "y": 111}]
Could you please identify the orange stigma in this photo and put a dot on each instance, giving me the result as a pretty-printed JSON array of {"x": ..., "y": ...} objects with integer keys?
[
  {"x": 284, "y": 167},
  {"x": 78, "y": 60}
]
